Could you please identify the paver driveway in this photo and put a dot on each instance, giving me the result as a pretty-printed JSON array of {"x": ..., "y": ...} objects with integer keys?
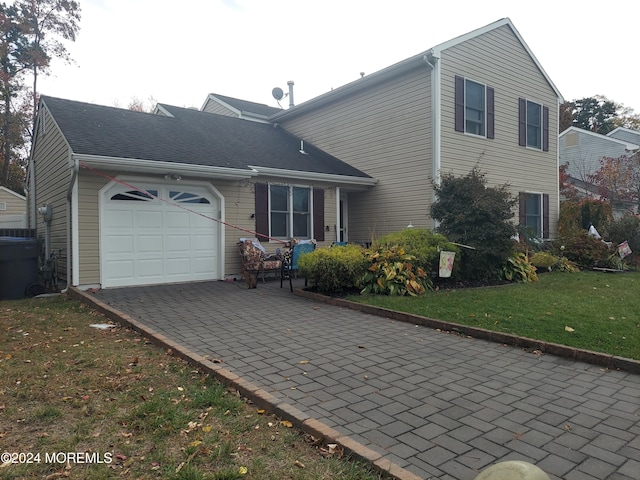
[{"x": 439, "y": 405}]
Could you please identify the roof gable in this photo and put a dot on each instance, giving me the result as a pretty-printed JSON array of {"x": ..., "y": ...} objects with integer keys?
[
  {"x": 187, "y": 136},
  {"x": 241, "y": 108},
  {"x": 8, "y": 192},
  {"x": 421, "y": 60},
  {"x": 600, "y": 137},
  {"x": 436, "y": 51}
]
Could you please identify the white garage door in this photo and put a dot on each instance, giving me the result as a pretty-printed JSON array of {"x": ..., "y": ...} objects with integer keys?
[{"x": 145, "y": 241}]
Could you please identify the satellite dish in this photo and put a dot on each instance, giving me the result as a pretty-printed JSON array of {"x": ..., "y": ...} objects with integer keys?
[{"x": 277, "y": 93}]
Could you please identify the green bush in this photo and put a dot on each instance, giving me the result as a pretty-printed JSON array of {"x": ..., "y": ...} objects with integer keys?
[
  {"x": 470, "y": 213},
  {"x": 626, "y": 228},
  {"x": 423, "y": 244},
  {"x": 334, "y": 270},
  {"x": 518, "y": 268},
  {"x": 393, "y": 272},
  {"x": 543, "y": 260},
  {"x": 584, "y": 250}
]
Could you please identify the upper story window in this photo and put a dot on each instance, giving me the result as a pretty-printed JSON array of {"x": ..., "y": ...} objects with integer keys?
[
  {"x": 474, "y": 112},
  {"x": 533, "y": 125}
]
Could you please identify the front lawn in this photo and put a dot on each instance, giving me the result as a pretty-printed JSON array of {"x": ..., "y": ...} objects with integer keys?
[{"x": 589, "y": 310}]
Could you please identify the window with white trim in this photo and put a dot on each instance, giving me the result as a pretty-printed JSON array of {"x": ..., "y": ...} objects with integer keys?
[
  {"x": 534, "y": 125},
  {"x": 533, "y": 213},
  {"x": 474, "y": 108},
  {"x": 290, "y": 211}
]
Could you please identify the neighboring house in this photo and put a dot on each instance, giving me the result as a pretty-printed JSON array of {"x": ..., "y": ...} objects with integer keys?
[
  {"x": 626, "y": 135},
  {"x": 581, "y": 150},
  {"x": 13, "y": 209},
  {"x": 349, "y": 165},
  {"x": 481, "y": 99}
]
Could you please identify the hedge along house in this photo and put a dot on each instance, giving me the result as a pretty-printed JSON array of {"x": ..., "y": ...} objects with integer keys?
[
  {"x": 481, "y": 99},
  {"x": 139, "y": 198}
]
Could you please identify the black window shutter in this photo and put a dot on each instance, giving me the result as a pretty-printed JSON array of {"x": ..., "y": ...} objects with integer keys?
[
  {"x": 318, "y": 214},
  {"x": 491, "y": 116},
  {"x": 522, "y": 208},
  {"x": 545, "y": 129},
  {"x": 522, "y": 122},
  {"x": 545, "y": 215},
  {"x": 459, "y": 96},
  {"x": 262, "y": 211}
]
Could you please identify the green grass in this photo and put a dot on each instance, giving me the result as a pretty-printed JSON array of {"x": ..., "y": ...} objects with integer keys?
[
  {"x": 602, "y": 309},
  {"x": 68, "y": 387}
]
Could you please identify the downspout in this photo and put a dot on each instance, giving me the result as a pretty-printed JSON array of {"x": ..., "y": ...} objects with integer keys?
[
  {"x": 74, "y": 175},
  {"x": 432, "y": 59}
]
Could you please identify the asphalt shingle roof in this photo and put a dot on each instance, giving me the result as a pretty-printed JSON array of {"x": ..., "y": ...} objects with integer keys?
[{"x": 189, "y": 137}]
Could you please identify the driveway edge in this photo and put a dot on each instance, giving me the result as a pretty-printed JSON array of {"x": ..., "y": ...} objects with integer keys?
[
  {"x": 611, "y": 362},
  {"x": 259, "y": 397}
]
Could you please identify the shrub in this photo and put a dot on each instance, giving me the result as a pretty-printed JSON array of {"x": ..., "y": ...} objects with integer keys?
[
  {"x": 423, "y": 244},
  {"x": 578, "y": 216},
  {"x": 392, "y": 272},
  {"x": 584, "y": 250},
  {"x": 473, "y": 214},
  {"x": 334, "y": 270},
  {"x": 626, "y": 228},
  {"x": 543, "y": 260},
  {"x": 518, "y": 268}
]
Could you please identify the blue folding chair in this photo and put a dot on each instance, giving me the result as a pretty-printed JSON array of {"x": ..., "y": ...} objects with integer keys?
[{"x": 290, "y": 265}]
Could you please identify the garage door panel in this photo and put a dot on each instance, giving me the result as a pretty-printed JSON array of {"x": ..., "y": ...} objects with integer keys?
[
  {"x": 150, "y": 244},
  {"x": 119, "y": 244},
  {"x": 178, "y": 243},
  {"x": 148, "y": 241},
  {"x": 149, "y": 220}
]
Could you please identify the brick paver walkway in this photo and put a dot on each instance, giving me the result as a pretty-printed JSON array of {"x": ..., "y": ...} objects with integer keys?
[{"x": 438, "y": 405}]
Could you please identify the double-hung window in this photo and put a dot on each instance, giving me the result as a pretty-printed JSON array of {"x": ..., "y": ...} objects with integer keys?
[
  {"x": 533, "y": 125},
  {"x": 534, "y": 213},
  {"x": 474, "y": 111},
  {"x": 290, "y": 211}
]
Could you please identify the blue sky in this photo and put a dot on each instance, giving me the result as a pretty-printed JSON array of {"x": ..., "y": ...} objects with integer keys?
[{"x": 178, "y": 52}]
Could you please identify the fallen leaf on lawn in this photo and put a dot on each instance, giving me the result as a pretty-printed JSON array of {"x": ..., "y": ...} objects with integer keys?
[
  {"x": 261, "y": 411},
  {"x": 207, "y": 428},
  {"x": 126, "y": 434},
  {"x": 180, "y": 389},
  {"x": 569, "y": 329},
  {"x": 121, "y": 457},
  {"x": 195, "y": 443},
  {"x": 286, "y": 423},
  {"x": 243, "y": 470},
  {"x": 298, "y": 464}
]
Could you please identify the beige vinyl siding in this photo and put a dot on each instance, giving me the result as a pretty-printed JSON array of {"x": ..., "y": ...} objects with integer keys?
[
  {"x": 14, "y": 204},
  {"x": 497, "y": 59},
  {"x": 239, "y": 198},
  {"x": 385, "y": 132},
  {"x": 52, "y": 169},
  {"x": 212, "y": 106}
]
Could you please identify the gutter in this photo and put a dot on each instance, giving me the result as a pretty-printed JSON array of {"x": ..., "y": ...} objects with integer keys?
[
  {"x": 314, "y": 176},
  {"x": 74, "y": 176},
  {"x": 161, "y": 168}
]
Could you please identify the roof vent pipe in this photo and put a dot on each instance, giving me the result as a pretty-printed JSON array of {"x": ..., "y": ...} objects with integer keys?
[{"x": 290, "y": 83}]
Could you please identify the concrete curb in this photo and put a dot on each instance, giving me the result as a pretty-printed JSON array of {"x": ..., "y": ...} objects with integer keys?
[
  {"x": 261, "y": 398},
  {"x": 611, "y": 362}
]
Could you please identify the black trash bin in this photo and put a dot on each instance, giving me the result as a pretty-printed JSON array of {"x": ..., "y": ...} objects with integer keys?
[{"x": 18, "y": 267}]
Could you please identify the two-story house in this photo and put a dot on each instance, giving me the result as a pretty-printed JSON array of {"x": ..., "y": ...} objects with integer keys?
[{"x": 157, "y": 198}]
